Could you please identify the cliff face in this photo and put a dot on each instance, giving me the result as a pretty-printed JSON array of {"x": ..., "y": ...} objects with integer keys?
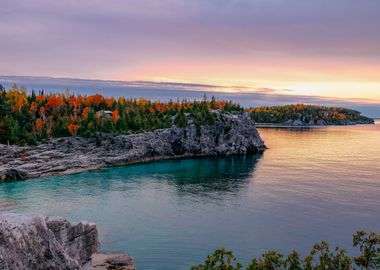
[
  {"x": 231, "y": 134},
  {"x": 36, "y": 242}
]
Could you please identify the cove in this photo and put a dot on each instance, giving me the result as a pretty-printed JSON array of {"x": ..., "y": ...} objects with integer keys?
[{"x": 310, "y": 185}]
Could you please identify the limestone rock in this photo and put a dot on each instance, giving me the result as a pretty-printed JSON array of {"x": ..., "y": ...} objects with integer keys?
[
  {"x": 229, "y": 135},
  {"x": 112, "y": 261},
  {"x": 36, "y": 242},
  {"x": 79, "y": 240}
]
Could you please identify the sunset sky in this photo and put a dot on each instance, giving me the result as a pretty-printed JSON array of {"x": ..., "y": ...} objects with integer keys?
[{"x": 296, "y": 47}]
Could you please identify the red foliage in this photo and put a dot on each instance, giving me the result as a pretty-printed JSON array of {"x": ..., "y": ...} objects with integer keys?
[
  {"x": 39, "y": 124},
  {"x": 115, "y": 115},
  {"x": 73, "y": 129},
  {"x": 55, "y": 102},
  {"x": 73, "y": 102},
  {"x": 95, "y": 99},
  {"x": 42, "y": 111},
  {"x": 40, "y": 99},
  {"x": 85, "y": 113},
  {"x": 109, "y": 102},
  {"x": 33, "y": 107}
]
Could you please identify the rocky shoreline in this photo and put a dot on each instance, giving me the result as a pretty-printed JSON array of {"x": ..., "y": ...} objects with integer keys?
[
  {"x": 319, "y": 123},
  {"x": 29, "y": 241},
  {"x": 229, "y": 135}
]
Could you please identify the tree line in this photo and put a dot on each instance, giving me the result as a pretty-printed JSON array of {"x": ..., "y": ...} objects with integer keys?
[
  {"x": 37, "y": 117},
  {"x": 309, "y": 114}
]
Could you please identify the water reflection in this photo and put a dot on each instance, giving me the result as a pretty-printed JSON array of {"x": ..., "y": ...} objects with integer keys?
[
  {"x": 212, "y": 176},
  {"x": 203, "y": 177},
  {"x": 310, "y": 185}
]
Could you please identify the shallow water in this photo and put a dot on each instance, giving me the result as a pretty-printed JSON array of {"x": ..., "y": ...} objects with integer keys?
[{"x": 310, "y": 185}]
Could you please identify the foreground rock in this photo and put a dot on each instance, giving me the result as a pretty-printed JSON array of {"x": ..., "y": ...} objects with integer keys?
[
  {"x": 37, "y": 242},
  {"x": 231, "y": 134}
]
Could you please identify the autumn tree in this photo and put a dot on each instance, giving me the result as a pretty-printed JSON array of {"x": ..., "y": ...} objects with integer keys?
[
  {"x": 37, "y": 117},
  {"x": 73, "y": 129}
]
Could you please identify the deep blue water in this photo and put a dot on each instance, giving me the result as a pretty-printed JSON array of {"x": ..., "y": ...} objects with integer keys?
[{"x": 310, "y": 185}]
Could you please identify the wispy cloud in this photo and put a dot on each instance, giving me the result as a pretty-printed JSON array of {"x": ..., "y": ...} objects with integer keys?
[{"x": 272, "y": 43}]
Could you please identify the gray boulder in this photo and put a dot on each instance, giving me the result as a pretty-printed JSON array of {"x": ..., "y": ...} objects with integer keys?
[{"x": 37, "y": 242}]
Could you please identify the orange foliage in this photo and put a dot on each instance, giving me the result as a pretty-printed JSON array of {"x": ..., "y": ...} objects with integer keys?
[
  {"x": 142, "y": 102},
  {"x": 219, "y": 104},
  {"x": 342, "y": 117},
  {"x": 109, "y": 101},
  {"x": 299, "y": 107},
  {"x": 95, "y": 99},
  {"x": 73, "y": 129},
  {"x": 42, "y": 111},
  {"x": 73, "y": 102},
  {"x": 17, "y": 98},
  {"x": 33, "y": 107},
  {"x": 55, "y": 102},
  {"x": 121, "y": 100},
  {"x": 73, "y": 117},
  {"x": 115, "y": 115},
  {"x": 39, "y": 124},
  {"x": 85, "y": 113},
  {"x": 40, "y": 99}
]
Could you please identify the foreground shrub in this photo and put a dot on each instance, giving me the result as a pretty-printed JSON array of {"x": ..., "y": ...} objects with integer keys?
[{"x": 321, "y": 257}]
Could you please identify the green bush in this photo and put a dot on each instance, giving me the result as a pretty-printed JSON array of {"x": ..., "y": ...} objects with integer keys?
[{"x": 321, "y": 257}]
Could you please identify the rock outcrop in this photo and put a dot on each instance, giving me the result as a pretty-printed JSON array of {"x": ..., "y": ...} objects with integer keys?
[
  {"x": 231, "y": 134},
  {"x": 36, "y": 242}
]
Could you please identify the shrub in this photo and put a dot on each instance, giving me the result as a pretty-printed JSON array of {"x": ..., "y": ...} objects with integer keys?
[{"x": 321, "y": 257}]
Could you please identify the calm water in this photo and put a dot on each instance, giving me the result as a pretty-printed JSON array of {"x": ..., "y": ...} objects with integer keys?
[{"x": 312, "y": 184}]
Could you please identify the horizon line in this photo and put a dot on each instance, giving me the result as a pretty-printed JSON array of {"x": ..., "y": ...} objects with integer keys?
[{"x": 199, "y": 87}]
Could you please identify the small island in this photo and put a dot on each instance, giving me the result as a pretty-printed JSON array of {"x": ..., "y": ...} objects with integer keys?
[{"x": 307, "y": 115}]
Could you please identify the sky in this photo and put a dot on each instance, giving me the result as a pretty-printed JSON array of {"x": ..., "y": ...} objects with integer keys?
[{"x": 299, "y": 48}]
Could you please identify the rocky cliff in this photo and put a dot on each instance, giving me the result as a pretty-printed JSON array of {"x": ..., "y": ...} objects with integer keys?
[
  {"x": 38, "y": 242},
  {"x": 26, "y": 242},
  {"x": 231, "y": 134}
]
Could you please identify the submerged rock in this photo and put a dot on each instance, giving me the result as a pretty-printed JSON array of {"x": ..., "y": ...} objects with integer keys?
[
  {"x": 230, "y": 134},
  {"x": 112, "y": 261}
]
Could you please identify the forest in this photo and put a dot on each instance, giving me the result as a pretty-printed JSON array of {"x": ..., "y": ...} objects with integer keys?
[
  {"x": 37, "y": 117},
  {"x": 307, "y": 114}
]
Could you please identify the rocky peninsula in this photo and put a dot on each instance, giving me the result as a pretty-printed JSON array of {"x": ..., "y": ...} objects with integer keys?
[
  {"x": 229, "y": 135},
  {"x": 299, "y": 115},
  {"x": 30, "y": 241}
]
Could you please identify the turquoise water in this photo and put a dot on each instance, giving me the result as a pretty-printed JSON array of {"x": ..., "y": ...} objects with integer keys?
[{"x": 312, "y": 184}]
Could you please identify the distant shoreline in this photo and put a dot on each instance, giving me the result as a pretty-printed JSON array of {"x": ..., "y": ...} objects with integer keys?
[{"x": 270, "y": 125}]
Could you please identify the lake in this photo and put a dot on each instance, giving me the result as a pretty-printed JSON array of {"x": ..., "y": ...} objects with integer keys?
[{"x": 311, "y": 184}]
